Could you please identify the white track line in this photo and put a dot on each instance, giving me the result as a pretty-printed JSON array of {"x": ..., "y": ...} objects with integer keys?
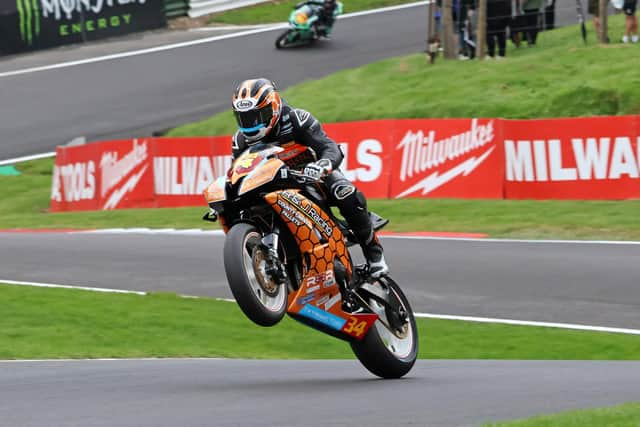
[
  {"x": 200, "y": 232},
  {"x": 191, "y": 43},
  {"x": 141, "y": 359},
  {"x": 489, "y": 240},
  {"x": 530, "y": 323},
  {"x": 83, "y": 288},
  {"x": 27, "y": 158},
  {"x": 420, "y": 315}
]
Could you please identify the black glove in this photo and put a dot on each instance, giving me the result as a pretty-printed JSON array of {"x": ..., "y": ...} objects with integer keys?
[{"x": 211, "y": 215}]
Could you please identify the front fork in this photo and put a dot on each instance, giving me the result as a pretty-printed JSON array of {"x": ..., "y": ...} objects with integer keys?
[{"x": 274, "y": 267}]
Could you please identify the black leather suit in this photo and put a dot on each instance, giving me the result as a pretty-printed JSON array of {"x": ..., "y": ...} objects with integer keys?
[{"x": 300, "y": 126}]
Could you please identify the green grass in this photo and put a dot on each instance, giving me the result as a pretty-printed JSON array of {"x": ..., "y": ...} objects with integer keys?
[
  {"x": 278, "y": 11},
  {"x": 61, "y": 323},
  {"x": 627, "y": 415},
  {"x": 25, "y": 203},
  {"x": 558, "y": 78}
]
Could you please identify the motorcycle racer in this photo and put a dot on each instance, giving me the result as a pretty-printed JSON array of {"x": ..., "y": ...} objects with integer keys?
[
  {"x": 263, "y": 117},
  {"x": 330, "y": 9}
]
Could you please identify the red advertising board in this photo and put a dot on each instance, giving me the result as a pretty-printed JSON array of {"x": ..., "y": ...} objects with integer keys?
[
  {"x": 108, "y": 175},
  {"x": 581, "y": 158},
  {"x": 446, "y": 158},
  {"x": 367, "y": 150},
  {"x": 184, "y": 167}
]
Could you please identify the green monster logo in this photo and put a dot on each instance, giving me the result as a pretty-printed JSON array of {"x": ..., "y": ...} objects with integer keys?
[{"x": 29, "y": 14}]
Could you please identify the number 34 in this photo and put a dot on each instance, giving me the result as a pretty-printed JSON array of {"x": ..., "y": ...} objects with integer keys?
[{"x": 354, "y": 326}]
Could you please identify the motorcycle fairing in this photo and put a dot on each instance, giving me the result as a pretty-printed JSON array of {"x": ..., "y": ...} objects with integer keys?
[
  {"x": 318, "y": 301},
  {"x": 215, "y": 192}
]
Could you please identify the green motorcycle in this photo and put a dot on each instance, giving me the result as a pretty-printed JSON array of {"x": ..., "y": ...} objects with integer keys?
[{"x": 304, "y": 25}]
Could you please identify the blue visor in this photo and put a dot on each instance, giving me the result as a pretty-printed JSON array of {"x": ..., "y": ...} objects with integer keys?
[{"x": 253, "y": 129}]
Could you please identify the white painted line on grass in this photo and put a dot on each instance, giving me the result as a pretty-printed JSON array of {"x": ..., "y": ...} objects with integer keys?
[
  {"x": 190, "y": 43},
  {"x": 27, "y": 158},
  {"x": 419, "y": 315},
  {"x": 530, "y": 323},
  {"x": 56, "y": 285}
]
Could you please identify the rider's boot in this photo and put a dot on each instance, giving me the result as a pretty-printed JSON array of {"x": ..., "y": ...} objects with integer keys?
[{"x": 374, "y": 254}]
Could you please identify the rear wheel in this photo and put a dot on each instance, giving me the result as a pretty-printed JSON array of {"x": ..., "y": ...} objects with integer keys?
[
  {"x": 260, "y": 298},
  {"x": 390, "y": 348}
]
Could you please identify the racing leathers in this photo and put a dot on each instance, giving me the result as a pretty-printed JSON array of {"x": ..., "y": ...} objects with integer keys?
[
  {"x": 328, "y": 12},
  {"x": 300, "y": 126}
]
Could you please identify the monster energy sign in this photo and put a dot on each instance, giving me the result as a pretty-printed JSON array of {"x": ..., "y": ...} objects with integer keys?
[{"x": 37, "y": 24}]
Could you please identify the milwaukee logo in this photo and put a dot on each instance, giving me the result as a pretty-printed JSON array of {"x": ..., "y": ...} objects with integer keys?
[
  {"x": 187, "y": 175},
  {"x": 114, "y": 170},
  {"x": 584, "y": 159},
  {"x": 422, "y": 152}
]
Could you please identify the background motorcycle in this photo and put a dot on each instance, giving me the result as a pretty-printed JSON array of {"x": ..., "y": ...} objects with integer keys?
[
  {"x": 303, "y": 28},
  {"x": 285, "y": 252}
]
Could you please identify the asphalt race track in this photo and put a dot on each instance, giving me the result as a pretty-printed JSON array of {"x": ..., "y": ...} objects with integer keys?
[
  {"x": 135, "y": 96},
  {"x": 592, "y": 284},
  {"x": 194, "y": 393}
]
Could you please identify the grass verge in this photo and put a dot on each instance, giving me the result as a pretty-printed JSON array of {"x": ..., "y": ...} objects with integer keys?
[
  {"x": 278, "y": 11},
  {"x": 61, "y": 323},
  {"x": 25, "y": 203},
  {"x": 627, "y": 415},
  {"x": 560, "y": 77}
]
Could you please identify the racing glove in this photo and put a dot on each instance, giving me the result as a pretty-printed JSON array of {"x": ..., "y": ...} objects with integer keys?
[
  {"x": 317, "y": 170},
  {"x": 211, "y": 215}
]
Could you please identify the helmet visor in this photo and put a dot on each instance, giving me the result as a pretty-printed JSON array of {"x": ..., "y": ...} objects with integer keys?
[{"x": 250, "y": 122}]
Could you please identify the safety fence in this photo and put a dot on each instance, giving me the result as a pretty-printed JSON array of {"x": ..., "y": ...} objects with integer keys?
[{"x": 576, "y": 158}]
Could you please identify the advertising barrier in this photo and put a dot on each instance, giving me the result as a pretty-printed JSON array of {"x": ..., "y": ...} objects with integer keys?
[
  {"x": 595, "y": 158},
  {"x": 582, "y": 158},
  {"x": 27, "y": 25}
]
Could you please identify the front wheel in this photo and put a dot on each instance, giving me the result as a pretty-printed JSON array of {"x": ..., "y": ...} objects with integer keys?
[
  {"x": 390, "y": 348},
  {"x": 260, "y": 298},
  {"x": 283, "y": 40}
]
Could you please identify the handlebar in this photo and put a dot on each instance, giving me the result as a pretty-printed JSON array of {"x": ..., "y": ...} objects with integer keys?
[{"x": 304, "y": 179}]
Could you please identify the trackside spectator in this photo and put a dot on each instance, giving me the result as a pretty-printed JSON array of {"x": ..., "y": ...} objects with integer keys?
[
  {"x": 630, "y": 22},
  {"x": 498, "y": 17},
  {"x": 531, "y": 12}
]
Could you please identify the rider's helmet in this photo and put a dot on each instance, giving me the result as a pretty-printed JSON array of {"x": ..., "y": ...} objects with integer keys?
[{"x": 257, "y": 107}]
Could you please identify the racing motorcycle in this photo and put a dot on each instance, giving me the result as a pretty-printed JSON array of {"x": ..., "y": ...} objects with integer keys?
[
  {"x": 303, "y": 28},
  {"x": 285, "y": 252}
]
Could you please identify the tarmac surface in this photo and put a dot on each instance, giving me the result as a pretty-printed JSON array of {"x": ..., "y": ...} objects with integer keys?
[
  {"x": 591, "y": 284},
  {"x": 169, "y": 393}
]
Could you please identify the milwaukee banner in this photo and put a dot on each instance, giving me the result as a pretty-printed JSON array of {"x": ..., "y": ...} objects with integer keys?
[
  {"x": 37, "y": 24},
  {"x": 582, "y": 158},
  {"x": 447, "y": 158},
  {"x": 588, "y": 158},
  {"x": 108, "y": 175}
]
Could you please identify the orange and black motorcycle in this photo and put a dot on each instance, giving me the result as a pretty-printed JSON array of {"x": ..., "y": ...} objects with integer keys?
[{"x": 285, "y": 252}]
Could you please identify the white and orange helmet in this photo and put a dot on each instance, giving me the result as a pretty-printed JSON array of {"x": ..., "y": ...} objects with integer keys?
[{"x": 257, "y": 107}]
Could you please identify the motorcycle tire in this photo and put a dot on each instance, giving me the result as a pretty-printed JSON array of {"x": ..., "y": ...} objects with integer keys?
[
  {"x": 381, "y": 351},
  {"x": 259, "y": 298},
  {"x": 281, "y": 42}
]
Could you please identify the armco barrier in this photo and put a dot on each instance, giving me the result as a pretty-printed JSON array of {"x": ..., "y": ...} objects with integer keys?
[
  {"x": 583, "y": 158},
  {"x": 27, "y": 25}
]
